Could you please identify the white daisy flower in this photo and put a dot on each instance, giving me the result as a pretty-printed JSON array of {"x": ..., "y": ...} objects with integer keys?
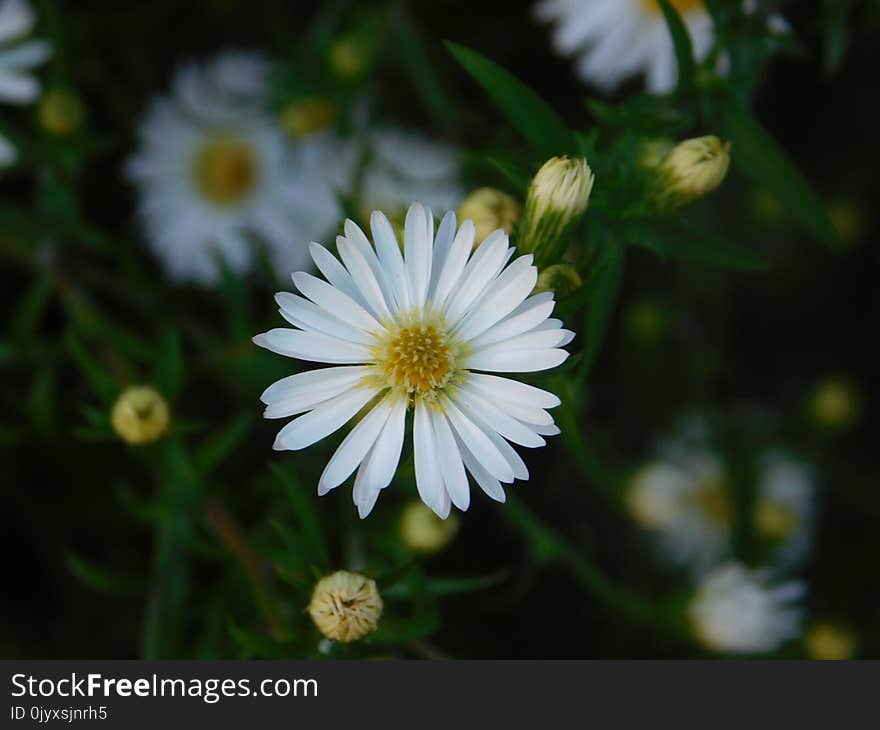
[
  {"x": 684, "y": 502},
  {"x": 735, "y": 610},
  {"x": 418, "y": 331},
  {"x": 214, "y": 170},
  {"x": 783, "y": 511},
  {"x": 398, "y": 166},
  {"x": 17, "y": 58},
  {"x": 619, "y": 39}
]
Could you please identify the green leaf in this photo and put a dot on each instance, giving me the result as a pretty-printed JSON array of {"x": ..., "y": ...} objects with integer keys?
[
  {"x": 253, "y": 644},
  {"x": 103, "y": 580},
  {"x": 527, "y": 112},
  {"x": 603, "y": 286},
  {"x": 169, "y": 370},
  {"x": 307, "y": 516},
  {"x": 760, "y": 159},
  {"x": 103, "y": 385},
  {"x": 426, "y": 81},
  {"x": 217, "y": 447},
  {"x": 449, "y": 586},
  {"x": 702, "y": 246},
  {"x": 400, "y": 631},
  {"x": 681, "y": 41}
]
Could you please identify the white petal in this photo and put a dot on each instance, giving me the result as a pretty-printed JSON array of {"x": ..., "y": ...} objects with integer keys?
[
  {"x": 428, "y": 480},
  {"x": 363, "y": 494},
  {"x": 506, "y": 425},
  {"x": 551, "y": 430},
  {"x": 364, "y": 278},
  {"x": 381, "y": 463},
  {"x": 357, "y": 237},
  {"x": 319, "y": 379},
  {"x": 482, "y": 268},
  {"x": 513, "y": 459},
  {"x": 16, "y": 88},
  {"x": 494, "y": 387},
  {"x": 517, "y": 361},
  {"x": 479, "y": 443},
  {"x": 489, "y": 484},
  {"x": 335, "y": 272},
  {"x": 354, "y": 447},
  {"x": 304, "y": 398},
  {"x": 306, "y": 315},
  {"x": 502, "y": 297},
  {"x": 391, "y": 259},
  {"x": 442, "y": 247},
  {"x": 312, "y": 346},
  {"x": 334, "y": 301},
  {"x": 524, "y": 318},
  {"x": 417, "y": 253},
  {"x": 25, "y": 55},
  {"x": 324, "y": 420},
  {"x": 455, "y": 262},
  {"x": 534, "y": 340},
  {"x": 451, "y": 467}
]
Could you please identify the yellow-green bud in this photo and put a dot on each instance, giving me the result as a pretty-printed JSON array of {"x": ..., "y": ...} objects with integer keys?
[
  {"x": 61, "y": 112},
  {"x": 350, "y": 56},
  {"x": 831, "y": 642},
  {"x": 424, "y": 532},
  {"x": 346, "y": 606},
  {"x": 140, "y": 415},
  {"x": 848, "y": 220},
  {"x": 558, "y": 198},
  {"x": 691, "y": 170},
  {"x": 562, "y": 279},
  {"x": 645, "y": 322},
  {"x": 835, "y": 404},
  {"x": 489, "y": 209},
  {"x": 306, "y": 116}
]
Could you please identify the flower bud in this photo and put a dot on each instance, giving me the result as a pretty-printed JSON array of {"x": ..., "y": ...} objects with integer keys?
[
  {"x": 140, "y": 415},
  {"x": 831, "y": 642},
  {"x": 558, "y": 198},
  {"x": 303, "y": 117},
  {"x": 691, "y": 170},
  {"x": 424, "y": 532},
  {"x": 835, "y": 404},
  {"x": 61, "y": 112},
  {"x": 346, "y": 606},
  {"x": 350, "y": 56},
  {"x": 489, "y": 209},
  {"x": 561, "y": 279}
]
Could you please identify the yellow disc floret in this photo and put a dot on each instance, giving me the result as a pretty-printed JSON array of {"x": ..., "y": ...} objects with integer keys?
[
  {"x": 417, "y": 358},
  {"x": 225, "y": 170}
]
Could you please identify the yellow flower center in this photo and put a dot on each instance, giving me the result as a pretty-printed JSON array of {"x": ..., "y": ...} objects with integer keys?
[
  {"x": 417, "y": 359},
  {"x": 713, "y": 501},
  {"x": 682, "y": 6},
  {"x": 775, "y": 520},
  {"x": 225, "y": 170}
]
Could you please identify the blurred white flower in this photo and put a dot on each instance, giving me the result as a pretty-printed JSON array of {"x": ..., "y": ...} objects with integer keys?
[
  {"x": 735, "y": 610},
  {"x": 783, "y": 512},
  {"x": 386, "y": 169},
  {"x": 619, "y": 39},
  {"x": 17, "y": 58},
  {"x": 684, "y": 501},
  {"x": 412, "y": 331},
  {"x": 214, "y": 170}
]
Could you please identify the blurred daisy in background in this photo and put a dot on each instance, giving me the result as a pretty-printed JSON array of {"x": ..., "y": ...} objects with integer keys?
[
  {"x": 418, "y": 331},
  {"x": 736, "y": 610},
  {"x": 386, "y": 169},
  {"x": 215, "y": 171},
  {"x": 18, "y": 57},
  {"x": 616, "y": 40},
  {"x": 683, "y": 498},
  {"x": 784, "y": 506}
]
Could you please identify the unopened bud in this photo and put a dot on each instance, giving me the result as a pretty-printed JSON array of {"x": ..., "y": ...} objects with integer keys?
[
  {"x": 424, "y": 532},
  {"x": 561, "y": 279},
  {"x": 140, "y": 415},
  {"x": 61, "y": 112},
  {"x": 691, "y": 170},
  {"x": 835, "y": 404},
  {"x": 557, "y": 200},
  {"x": 306, "y": 116},
  {"x": 346, "y": 606},
  {"x": 489, "y": 209},
  {"x": 831, "y": 642},
  {"x": 350, "y": 56}
]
